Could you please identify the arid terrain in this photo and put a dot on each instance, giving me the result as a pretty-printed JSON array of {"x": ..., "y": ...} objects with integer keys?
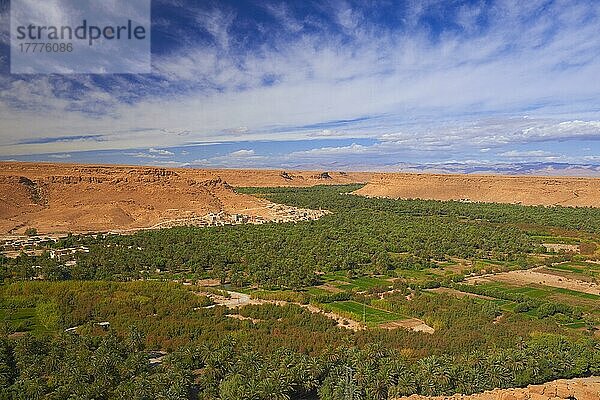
[
  {"x": 527, "y": 190},
  {"x": 79, "y": 198},
  {"x": 577, "y": 389}
]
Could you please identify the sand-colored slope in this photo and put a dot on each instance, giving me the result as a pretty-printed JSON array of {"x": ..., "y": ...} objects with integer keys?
[
  {"x": 78, "y": 198},
  {"x": 562, "y": 389},
  {"x": 281, "y": 178},
  {"x": 528, "y": 190}
]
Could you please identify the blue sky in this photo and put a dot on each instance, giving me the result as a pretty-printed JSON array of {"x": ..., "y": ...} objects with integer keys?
[{"x": 371, "y": 85}]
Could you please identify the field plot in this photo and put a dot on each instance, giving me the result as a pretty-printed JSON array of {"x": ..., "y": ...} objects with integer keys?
[
  {"x": 539, "y": 292},
  {"x": 341, "y": 281},
  {"x": 20, "y": 319},
  {"x": 372, "y": 316},
  {"x": 585, "y": 271},
  {"x": 536, "y": 277},
  {"x": 458, "y": 293}
]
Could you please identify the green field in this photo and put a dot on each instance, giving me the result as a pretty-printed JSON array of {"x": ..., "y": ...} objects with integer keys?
[
  {"x": 587, "y": 302},
  {"x": 539, "y": 292},
  {"x": 579, "y": 267},
  {"x": 363, "y": 283},
  {"x": 20, "y": 320},
  {"x": 372, "y": 316}
]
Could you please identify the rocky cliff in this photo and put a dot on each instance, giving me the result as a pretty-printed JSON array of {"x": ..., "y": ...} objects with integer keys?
[{"x": 573, "y": 389}]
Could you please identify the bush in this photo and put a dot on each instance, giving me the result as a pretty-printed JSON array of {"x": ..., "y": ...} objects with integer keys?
[{"x": 31, "y": 232}]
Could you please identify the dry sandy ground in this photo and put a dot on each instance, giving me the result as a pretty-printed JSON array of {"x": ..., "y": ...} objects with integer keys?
[
  {"x": 80, "y": 198},
  {"x": 527, "y": 190},
  {"x": 537, "y": 276},
  {"x": 414, "y": 324},
  {"x": 578, "y": 389},
  {"x": 240, "y": 299}
]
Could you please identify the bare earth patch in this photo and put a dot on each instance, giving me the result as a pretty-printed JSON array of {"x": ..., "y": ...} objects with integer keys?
[
  {"x": 579, "y": 389},
  {"x": 567, "y": 274},
  {"x": 527, "y": 190},
  {"x": 560, "y": 247},
  {"x": 535, "y": 276},
  {"x": 414, "y": 324}
]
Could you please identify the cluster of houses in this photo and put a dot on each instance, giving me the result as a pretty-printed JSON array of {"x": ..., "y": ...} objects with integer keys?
[
  {"x": 222, "y": 219},
  {"x": 25, "y": 243},
  {"x": 36, "y": 245},
  {"x": 278, "y": 213},
  {"x": 284, "y": 213}
]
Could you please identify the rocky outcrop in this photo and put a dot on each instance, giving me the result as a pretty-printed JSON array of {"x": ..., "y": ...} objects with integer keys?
[
  {"x": 286, "y": 176},
  {"x": 562, "y": 389},
  {"x": 84, "y": 198},
  {"x": 323, "y": 175},
  {"x": 216, "y": 183}
]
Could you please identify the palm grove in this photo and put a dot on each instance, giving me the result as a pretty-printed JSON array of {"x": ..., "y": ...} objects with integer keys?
[{"x": 286, "y": 351}]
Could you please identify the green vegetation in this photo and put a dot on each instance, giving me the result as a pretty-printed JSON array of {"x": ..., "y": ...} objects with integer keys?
[
  {"x": 361, "y": 312},
  {"x": 31, "y": 231},
  {"x": 371, "y": 259}
]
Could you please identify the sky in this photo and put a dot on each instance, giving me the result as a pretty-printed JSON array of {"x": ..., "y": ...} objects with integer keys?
[{"x": 466, "y": 86}]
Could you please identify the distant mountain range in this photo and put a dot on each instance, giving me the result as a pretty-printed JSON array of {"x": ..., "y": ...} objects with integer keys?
[
  {"x": 536, "y": 168},
  {"x": 464, "y": 167}
]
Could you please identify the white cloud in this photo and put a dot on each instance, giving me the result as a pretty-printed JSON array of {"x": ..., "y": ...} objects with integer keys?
[
  {"x": 240, "y": 159},
  {"x": 526, "y": 154},
  {"x": 152, "y": 154},
  {"x": 329, "y": 151},
  {"x": 59, "y": 156},
  {"x": 161, "y": 152},
  {"x": 411, "y": 81},
  {"x": 242, "y": 153}
]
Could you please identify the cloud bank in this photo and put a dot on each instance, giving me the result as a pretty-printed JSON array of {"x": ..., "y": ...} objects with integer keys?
[{"x": 423, "y": 81}]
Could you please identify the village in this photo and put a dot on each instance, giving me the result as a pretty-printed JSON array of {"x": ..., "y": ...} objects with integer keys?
[
  {"x": 277, "y": 213},
  {"x": 13, "y": 246},
  {"x": 35, "y": 245}
]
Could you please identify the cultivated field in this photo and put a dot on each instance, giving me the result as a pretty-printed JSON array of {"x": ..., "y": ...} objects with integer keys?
[
  {"x": 438, "y": 291},
  {"x": 538, "y": 277}
]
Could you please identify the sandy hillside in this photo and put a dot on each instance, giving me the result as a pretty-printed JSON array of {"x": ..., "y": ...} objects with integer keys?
[
  {"x": 274, "y": 178},
  {"x": 528, "y": 190},
  {"x": 63, "y": 197},
  {"x": 572, "y": 389}
]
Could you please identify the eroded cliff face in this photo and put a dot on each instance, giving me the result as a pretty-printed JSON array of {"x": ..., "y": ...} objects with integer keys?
[
  {"x": 81, "y": 198},
  {"x": 527, "y": 190},
  {"x": 572, "y": 389},
  {"x": 62, "y": 199}
]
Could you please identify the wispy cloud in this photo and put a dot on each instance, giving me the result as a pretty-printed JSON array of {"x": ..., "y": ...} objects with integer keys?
[
  {"x": 462, "y": 85},
  {"x": 242, "y": 153},
  {"x": 60, "y": 156},
  {"x": 161, "y": 152}
]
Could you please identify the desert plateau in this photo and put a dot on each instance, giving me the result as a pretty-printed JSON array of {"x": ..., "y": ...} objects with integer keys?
[
  {"x": 55, "y": 198},
  {"x": 59, "y": 198},
  {"x": 526, "y": 190}
]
